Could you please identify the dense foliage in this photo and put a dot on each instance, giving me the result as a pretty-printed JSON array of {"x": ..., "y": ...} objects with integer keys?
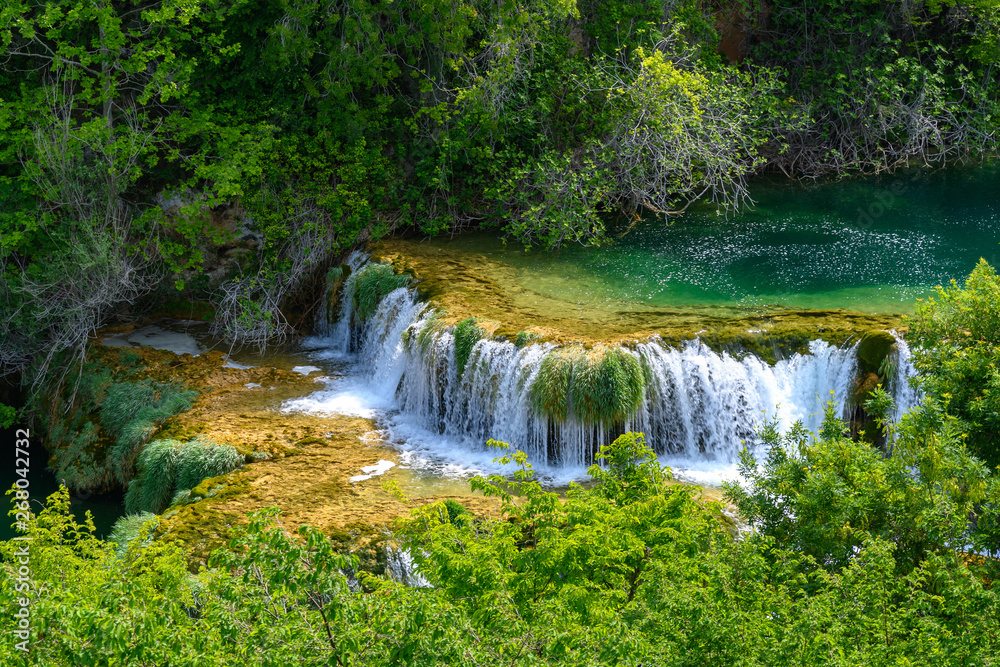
[
  {"x": 232, "y": 148},
  {"x": 958, "y": 337},
  {"x": 849, "y": 564}
]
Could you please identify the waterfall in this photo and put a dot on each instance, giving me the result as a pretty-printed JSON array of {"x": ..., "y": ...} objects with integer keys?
[
  {"x": 903, "y": 393},
  {"x": 340, "y": 330},
  {"x": 400, "y": 567},
  {"x": 696, "y": 404}
]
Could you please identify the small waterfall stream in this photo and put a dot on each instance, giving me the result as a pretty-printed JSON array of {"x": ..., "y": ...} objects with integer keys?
[{"x": 696, "y": 404}]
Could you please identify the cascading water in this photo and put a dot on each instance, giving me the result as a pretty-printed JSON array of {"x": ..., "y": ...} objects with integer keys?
[
  {"x": 696, "y": 404},
  {"x": 904, "y": 394},
  {"x": 339, "y": 331}
]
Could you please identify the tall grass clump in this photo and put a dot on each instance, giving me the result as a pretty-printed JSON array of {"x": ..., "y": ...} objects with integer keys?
[
  {"x": 167, "y": 468},
  {"x": 526, "y": 338},
  {"x": 153, "y": 486},
  {"x": 467, "y": 334},
  {"x": 131, "y": 412},
  {"x": 608, "y": 388},
  {"x": 550, "y": 392},
  {"x": 430, "y": 326},
  {"x": 131, "y": 527},
  {"x": 602, "y": 386},
  {"x": 372, "y": 284},
  {"x": 201, "y": 458}
]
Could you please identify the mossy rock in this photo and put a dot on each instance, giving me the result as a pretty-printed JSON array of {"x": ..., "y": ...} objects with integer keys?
[
  {"x": 874, "y": 347},
  {"x": 864, "y": 387},
  {"x": 335, "y": 279}
]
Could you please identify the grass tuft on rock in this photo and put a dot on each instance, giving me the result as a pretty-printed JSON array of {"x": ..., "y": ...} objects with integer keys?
[
  {"x": 167, "y": 468},
  {"x": 372, "y": 284},
  {"x": 201, "y": 459},
  {"x": 131, "y": 527},
  {"x": 153, "y": 487},
  {"x": 602, "y": 386},
  {"x": 467, "y": 334},
  {"x": 131, "y": 413}
]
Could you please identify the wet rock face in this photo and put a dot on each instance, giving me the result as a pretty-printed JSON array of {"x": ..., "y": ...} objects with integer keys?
[{"x": 874, "y": 348}]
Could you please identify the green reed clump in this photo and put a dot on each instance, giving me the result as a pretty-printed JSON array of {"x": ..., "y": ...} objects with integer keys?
[
  {"x": 467, "y": 334},
  {"x": 167, "y": 468},
  {"x": 432, "y": 324},
  {"x": 201, "y": 458},
  {"x": 131, "y": 527},
  {"x": 526, "y": 338},
  {"x": 131, "y": 413},
  {"x": 604, "y": 386},
  {"x": 153, "y": 486},
  {"x": 608, "y": 388},
  {"x": 550, "y": 393},
  {"x": 372, "y": 284}
]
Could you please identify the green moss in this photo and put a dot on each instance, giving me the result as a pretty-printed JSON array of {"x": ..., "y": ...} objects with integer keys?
[
  {"x": 335, "y": 279},
  {"x": 873, "y": 349},
  {"x": 467, "y": 334},
  {"x": 372, "y": 284}
]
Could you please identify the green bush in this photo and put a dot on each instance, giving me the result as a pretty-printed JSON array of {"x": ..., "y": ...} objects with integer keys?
[
  {"x": 79, "y": 463},
  {"x": 467, "y": 334},
  {"x": 956, "y": 337},
  {"x": 371, "y": 284}
]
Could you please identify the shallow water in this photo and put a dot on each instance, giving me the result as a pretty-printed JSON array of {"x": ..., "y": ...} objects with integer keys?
[{"x": 872, "y": 245}]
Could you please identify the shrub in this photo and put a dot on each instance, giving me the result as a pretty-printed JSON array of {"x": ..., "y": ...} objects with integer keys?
[
  {"x": 372, "y": 284},
  {"x": 80, "y": 463},
  {"x": 467, "y": 334}
]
